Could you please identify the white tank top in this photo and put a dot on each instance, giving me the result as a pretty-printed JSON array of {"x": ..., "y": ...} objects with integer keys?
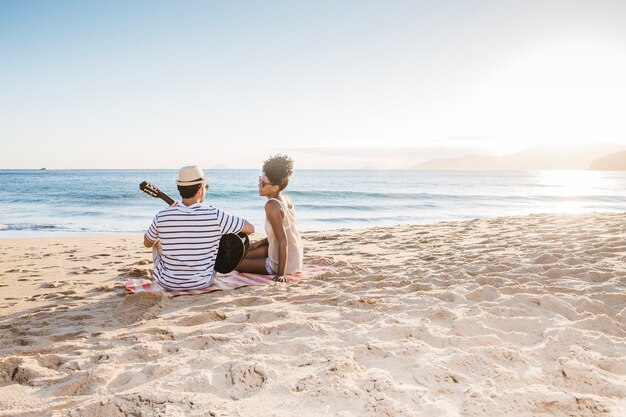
[{"x": 294, "y": 241}]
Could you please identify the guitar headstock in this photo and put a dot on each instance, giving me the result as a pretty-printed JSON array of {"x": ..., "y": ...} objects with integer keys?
[
  {"x": 149, "y": 189},
  {"x": 152, "y": 191}
]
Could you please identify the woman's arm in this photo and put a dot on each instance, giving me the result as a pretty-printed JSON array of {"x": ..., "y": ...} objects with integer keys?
[
  {"x": 274, "y": 214},
  {"x": 258, "y": 244}
]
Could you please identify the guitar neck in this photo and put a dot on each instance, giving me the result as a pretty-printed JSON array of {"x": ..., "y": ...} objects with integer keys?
[{"x": 165, "y": 198}]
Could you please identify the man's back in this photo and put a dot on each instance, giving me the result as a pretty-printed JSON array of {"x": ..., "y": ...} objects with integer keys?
[{"x": 189, "y": 239}]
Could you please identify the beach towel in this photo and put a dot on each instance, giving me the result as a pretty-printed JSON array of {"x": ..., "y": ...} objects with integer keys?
[{"x": 228, "y": 281}]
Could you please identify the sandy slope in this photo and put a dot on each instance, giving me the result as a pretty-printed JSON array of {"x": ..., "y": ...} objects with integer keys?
[{"x": 521, "y": 316}]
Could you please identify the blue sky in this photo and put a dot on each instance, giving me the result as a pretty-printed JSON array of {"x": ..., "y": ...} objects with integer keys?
[{"x": 151, "y": 84}]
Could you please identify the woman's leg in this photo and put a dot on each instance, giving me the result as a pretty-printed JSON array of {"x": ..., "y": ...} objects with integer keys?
[
  {"x": 254, "y": 261},
  {"x": 260, "y": 252},
  {"x": 253, "y": 265}
]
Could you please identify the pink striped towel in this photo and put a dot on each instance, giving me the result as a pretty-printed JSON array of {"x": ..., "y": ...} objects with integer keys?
[{"x": 228, "y": 281}]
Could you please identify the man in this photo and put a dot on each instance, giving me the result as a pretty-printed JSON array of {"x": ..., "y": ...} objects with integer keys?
[{"x": 185, "y": 237}]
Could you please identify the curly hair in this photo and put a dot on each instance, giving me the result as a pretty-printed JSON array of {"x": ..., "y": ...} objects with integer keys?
[{"x": 278, "y": 169}]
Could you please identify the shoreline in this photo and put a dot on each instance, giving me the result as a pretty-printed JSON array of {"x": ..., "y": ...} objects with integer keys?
[
  {"x": 510, "y": 316},
  {"x": 88, "y": 235}
]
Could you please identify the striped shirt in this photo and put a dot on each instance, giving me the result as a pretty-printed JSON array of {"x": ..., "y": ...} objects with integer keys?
[{"x": 190, "y": 238}]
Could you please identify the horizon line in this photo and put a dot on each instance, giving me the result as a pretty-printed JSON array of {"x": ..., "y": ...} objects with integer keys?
[{"x": 304, "y": 169}]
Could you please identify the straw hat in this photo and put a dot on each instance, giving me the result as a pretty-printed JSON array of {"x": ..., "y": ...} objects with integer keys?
[{"x": 190, "y": 175}]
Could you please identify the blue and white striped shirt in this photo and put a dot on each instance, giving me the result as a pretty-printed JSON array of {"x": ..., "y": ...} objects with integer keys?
[{"x": 190, "y": 238}]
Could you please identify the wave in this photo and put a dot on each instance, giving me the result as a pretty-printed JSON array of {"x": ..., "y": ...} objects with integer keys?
[
  {"x": 361, "y": 207},
  {"x": 103, "y": 201},
  {"x": 368, "y": 220},
  {"x": 578, "y": 198},
  {"x": 28, "y": 226},
  {"x": 328, "y": 194}
]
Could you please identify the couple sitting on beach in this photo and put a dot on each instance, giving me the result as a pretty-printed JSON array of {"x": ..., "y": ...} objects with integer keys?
[{"x": 185, "y": 236}]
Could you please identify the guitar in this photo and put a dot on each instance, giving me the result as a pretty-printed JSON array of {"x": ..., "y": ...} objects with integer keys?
[
  {"x": 152, "y": 191},
  {"x": 232, "y": 248}
]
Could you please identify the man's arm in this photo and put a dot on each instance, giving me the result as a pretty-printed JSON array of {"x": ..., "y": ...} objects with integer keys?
[
  {"x": 247, "y": 228},
  {"x": 151, "y": 237},
  {"x": 147, "y": 242}
]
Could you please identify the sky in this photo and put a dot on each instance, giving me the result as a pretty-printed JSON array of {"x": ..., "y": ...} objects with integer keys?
[{"x": 335, "y": 84}]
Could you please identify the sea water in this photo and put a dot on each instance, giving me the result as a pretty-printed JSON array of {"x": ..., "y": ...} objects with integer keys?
[{"x": 68, "y": 202}]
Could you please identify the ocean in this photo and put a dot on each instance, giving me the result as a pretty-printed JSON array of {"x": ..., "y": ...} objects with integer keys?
[{"x": 37, "y": 203}]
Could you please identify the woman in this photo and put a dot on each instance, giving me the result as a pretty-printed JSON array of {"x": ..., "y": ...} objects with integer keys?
[{"x": 280, "y": 253}]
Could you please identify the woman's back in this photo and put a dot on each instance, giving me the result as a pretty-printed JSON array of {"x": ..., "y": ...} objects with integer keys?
[{"x": 294, "y": 241}]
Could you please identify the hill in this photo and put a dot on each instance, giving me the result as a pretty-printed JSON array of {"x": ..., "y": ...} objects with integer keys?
[
  {"x": 534, "y": 158},
  {"x": 612, "y": 162}
]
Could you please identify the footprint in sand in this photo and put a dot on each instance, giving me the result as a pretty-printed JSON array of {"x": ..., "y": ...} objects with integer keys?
[
  {"x": 17, "y": 270},
  {"x": 554, "y": 273},
  {"x": 138, "y": 272},
  {"x": 546, "y": 258},
  {"x": 51, "y": 361},
  {"x": 203, "y": 342},
  {"x": 266, "y": 316},
  {"x": 14, "y": 370},
  {"x": 79, "y": 383},
  {"x": 51, "y": 296},
  {"x": 160, "y": 334},
  {"x": 324, "y": 237},
  {"x": 106, "y": 288},
  {"x": 135, "y": 306},
  {"x": 69, "y": 336},
  {"x": 484, "y": 293},
  {"x": 84, "y": 270},
  {"x": 369, "y": 355},
  {"x": 237, "y": 380},
  {"x": 128, "y": 379},
  {"x": 199, "y": 319},
  {"x": 246, "y": 301}
]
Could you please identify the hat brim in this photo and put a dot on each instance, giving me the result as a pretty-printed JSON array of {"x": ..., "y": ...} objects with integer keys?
[{"x": 193, "y": 182}]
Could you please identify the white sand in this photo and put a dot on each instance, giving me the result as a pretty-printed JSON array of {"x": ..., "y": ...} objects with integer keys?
[{"x": 522, "y": 316}]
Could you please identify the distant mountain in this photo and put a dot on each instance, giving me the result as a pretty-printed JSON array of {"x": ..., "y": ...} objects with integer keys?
[
  {"x": 612, "y": 162},
  {"x": 530, "y": 159},
  {"x": 467, "y": 162}
]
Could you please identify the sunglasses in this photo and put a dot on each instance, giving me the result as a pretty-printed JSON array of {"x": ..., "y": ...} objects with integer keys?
[{"x": 263, "y": 183}]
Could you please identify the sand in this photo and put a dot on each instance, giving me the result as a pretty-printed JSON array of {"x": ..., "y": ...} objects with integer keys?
[{"x": 516, "y": 316}]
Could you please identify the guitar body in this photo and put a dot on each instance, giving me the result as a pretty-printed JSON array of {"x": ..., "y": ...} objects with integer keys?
[{"x": 233, "y": 247}]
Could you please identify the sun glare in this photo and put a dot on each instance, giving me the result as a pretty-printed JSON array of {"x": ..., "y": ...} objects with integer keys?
[
  {"x": 571, "y": 186},
  {"x": 572, "y": 183},
  {"x": 558, "y": 95}
]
